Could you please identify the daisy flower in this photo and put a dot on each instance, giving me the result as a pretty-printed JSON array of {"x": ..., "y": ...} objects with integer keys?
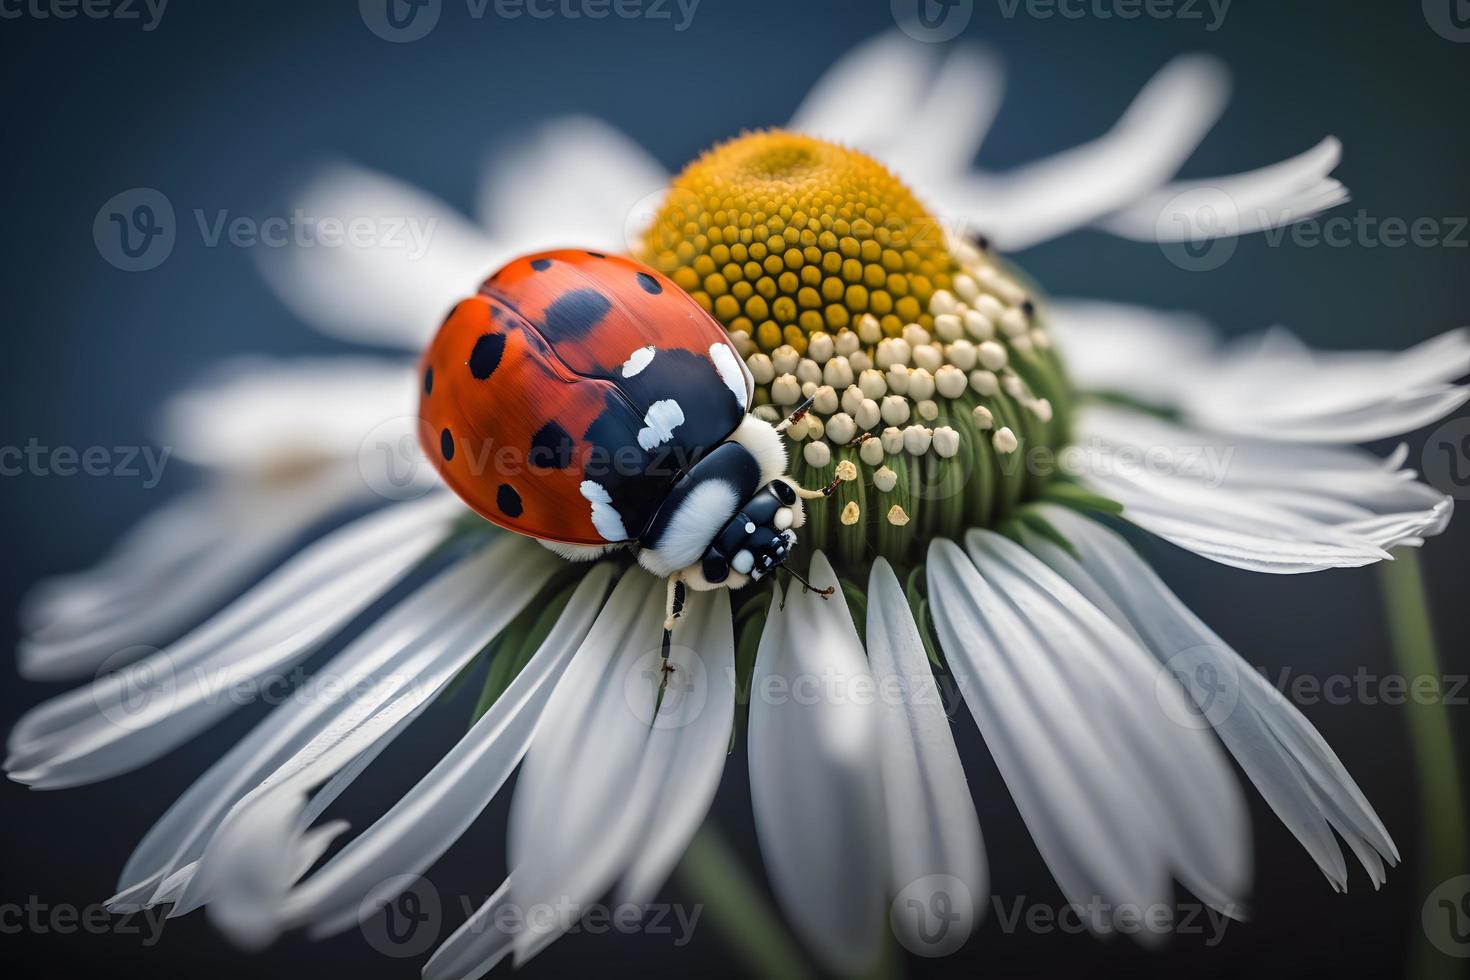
[{"x": 991, "y": 448}]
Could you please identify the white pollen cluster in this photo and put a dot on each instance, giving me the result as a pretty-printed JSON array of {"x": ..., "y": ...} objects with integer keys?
[{"x": 885, "y": 394}]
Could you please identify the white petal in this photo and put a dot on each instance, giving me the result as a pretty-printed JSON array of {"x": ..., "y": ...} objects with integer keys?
[
  {"x": 477, "y": 946},
  {"x": 933, "y": 830},
  {"x": 1116, "y": 795},
  {"x": 690, "y": 740},
  {"x": 1273, "y": 387},
  {"x": 393, "y": 285},
  {"x": 1266, "y": 198},
  {"x": 128, "y": 718},
  {"x": 433, "y": 815},
  {"x": 860, "y": 96},
  {"x": 444, "y": 625},
  {"x": 169, "y": 571},
  {"x": 1289, "y": 762},
  {"x": 434, "y": 617},
  {"x": 579, "y": 804},
  {"x": 817, "y": 796},
  {"x": 1144, "y": 149},
  {"x": 264, "y": 415},
  {"x": 1149, "y": 355},
  {"x": 571, "y": 183},
  {"x": 1257, "y": 505}
]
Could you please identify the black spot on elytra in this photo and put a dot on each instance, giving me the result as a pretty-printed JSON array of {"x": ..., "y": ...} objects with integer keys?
[
  {"x": 446, "y": 444},
  {"x": 541, "y": 265},
  {"x": 597, "y": 255},
  {"x": 574, "y": 314},
  {"x": 428, "y": 381},
  {"x": 485, "y": 358},
  {"x": 649, "y": 284},
  {"x": 508, "y": 500},
  {"x": 552, "y": 447}
]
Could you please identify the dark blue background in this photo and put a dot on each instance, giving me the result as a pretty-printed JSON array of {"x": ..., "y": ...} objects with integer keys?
[{"x": 228, "y": 102}]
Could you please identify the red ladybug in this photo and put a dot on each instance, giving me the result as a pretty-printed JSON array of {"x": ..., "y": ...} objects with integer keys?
[{"x": 586, "y": 400}]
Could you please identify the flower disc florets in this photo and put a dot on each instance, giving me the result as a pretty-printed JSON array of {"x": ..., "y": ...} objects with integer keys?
[{"x": 932, "y": 377}]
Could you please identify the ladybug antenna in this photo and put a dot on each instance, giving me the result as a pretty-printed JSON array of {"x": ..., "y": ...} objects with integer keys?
[
  {"x": 795, "y": 416},
  {"x": 809, "y": 587}
]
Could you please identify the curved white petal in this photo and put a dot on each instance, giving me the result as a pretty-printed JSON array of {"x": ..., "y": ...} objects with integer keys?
[
  {"x": 1148, "y": 355},
  {"x": 1273, "y": 387},
  {"x": 933, "y": 830},
  {"x": 276, "y": 416},
  {"x": 1289, "y": 762},
  {"x": 170, "y": 570},
  {"x": 392, "y": 280},
  {"x": 687, "y": 748},
  {"x": 1266, "y": 198},
  {"x": 1116, "y": 796},
  {"x": 433, "y": 815},
  {"x": 479, "y": 944},
  {"x": 814, "y": 733},
  {"x": 444, "y": 625},
  {"x": 570, "y": 183},
  {"x": 858, "y": 98},
  {"x": 1157, "y": 133},
  {"x": 128, "y": 718},
  {"x": 1259, "y": 505}
]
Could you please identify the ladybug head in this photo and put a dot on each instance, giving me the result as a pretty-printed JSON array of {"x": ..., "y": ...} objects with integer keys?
[{"x": 758, "y": 539}]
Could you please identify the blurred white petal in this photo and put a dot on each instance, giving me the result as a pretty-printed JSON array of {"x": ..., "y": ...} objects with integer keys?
[
  {"x": 478, "y": 945},
  {"x": 864, "y": 93},
  {"x": 1051, "y": 197},
  {"x": 1118, "y": 797},
  {"x": 570, "y": 183},
  {"x": 933, "y": 830},
  {"x": 129, "y": 718},
  {"x": 1273, "y": 387},
  {"x": 1266, "y": 198},
  {"x": 430, "y": 817},
  {"x": 813, "y": 739},
  {"x": 1284, "y": 756},
  {"x": 1254, "y": 504},
  {"x": 1148, "y": 355},
  {"x": 393, "y": 286}
]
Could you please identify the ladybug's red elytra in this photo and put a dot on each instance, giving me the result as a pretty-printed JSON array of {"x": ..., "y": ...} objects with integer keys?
[{"x": 586, "y": 400}]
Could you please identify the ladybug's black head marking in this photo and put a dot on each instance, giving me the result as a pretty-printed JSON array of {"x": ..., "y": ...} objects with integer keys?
[{"x": 757, "y": 540}]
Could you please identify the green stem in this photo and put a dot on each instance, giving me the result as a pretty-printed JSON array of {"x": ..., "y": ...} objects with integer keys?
[
  {"x": 712, "y": 873},
  {"x": 1441, "y": 800}
]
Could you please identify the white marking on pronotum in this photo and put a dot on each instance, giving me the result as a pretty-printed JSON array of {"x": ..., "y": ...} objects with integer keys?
[
  {"x": 659, "y": 423},
  {"x": 730, "y": 369},
  {"x": 638, "y": 360},
  {"x": 605, "y": 516}
]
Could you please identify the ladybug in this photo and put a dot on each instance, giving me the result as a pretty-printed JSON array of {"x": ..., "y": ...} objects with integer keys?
[{"x": 586, "y": 400}]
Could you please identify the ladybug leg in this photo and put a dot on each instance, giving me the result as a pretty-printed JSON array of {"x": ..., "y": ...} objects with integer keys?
[
  {"x": 677, "y": 594},
  {"x": 826, "y": 491},
  {"x": 795, "y": 416}
]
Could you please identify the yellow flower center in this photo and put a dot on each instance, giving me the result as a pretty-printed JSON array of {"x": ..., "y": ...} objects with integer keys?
[{"x": 781, "y": 235}]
